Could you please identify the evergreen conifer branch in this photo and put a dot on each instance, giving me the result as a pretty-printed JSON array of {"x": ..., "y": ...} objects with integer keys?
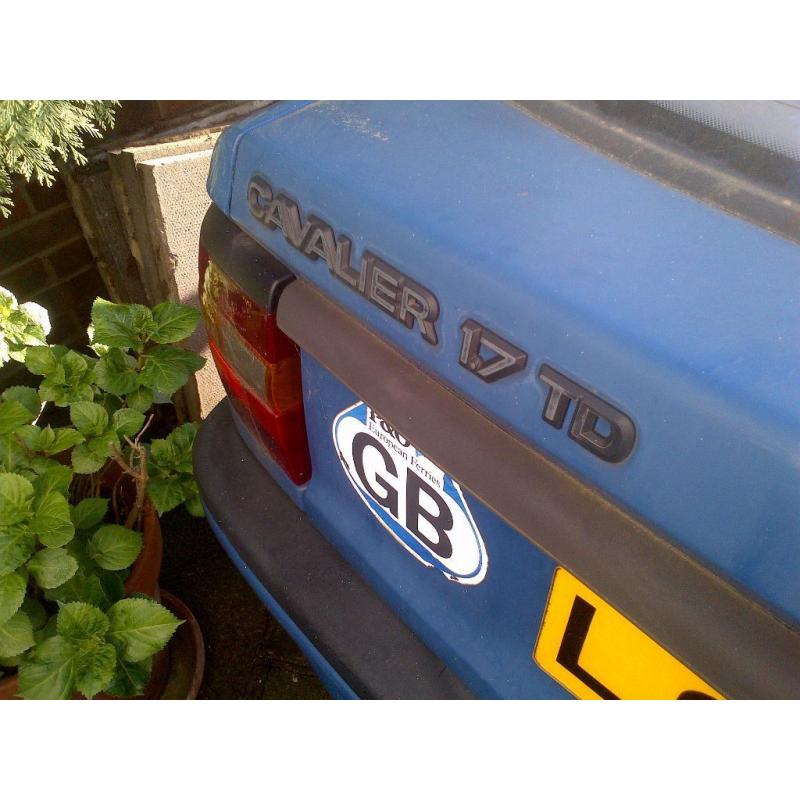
[{"x": 33, "y": 133}]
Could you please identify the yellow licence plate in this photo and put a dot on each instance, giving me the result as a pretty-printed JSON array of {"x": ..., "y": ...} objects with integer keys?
[{"x": 595, "y": 652}]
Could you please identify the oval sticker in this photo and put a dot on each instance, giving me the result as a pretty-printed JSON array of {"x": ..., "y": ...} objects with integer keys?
[{"x": 421, "y": 506}]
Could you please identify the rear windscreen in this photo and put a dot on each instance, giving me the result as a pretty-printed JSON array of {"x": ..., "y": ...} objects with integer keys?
[{"x": 771, "y": 124}]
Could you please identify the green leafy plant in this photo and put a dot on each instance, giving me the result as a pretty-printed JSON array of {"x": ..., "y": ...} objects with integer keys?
[
  {"x": 65, "y": 548},
  {"x": 34, "y": 133},
  {"x": 20, "y": 326}
]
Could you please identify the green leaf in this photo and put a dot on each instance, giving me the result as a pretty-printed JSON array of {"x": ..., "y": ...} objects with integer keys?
[
  {"x": 16, "y": 496},
  {"x": 30, "y": 436},
  {"x": 127, "y": 421},
  {"x": 8, "y": 301},
  {"x": 131, "y": 679},
  {"x": 26, "y": 395},
  {"x": 100, "y": 349},
  {"x": 101, "y": 446},
  {"x": 47, "y": 440},
  {"x": 13, "y": 415},
  {"x": 111, "y": 403},
  {"x": 41, "y": 360},
  {"x": 52, "y": 567},
  {"x": 16, "y": 545},
  {"x": 14, "y": 457},
  {"x": 141, "y": 399},
  {"x": 175, "y": 452},
  {"x": 46, "y": 437},
  {"x": 195, "y": 506},
  {"x": 113, "y": 588},
  {"x": 52, "y": 521},
  {"x": 91, "y": 419},
  {"x": 78, "y": 622},
  {"x": 20, "y": 325},
  {"x": 63, "y": 394},
  {"x": 16, "y": 635},
  {"x": 36, "y": 465},
  {"x": 173, "y": 322},
  {"x": 49, "y": 674},
  {"x": 12, "y": 594},
  {"x": 56, "y": 477},
  {"x": 140, "y": 627},
  {"x": 64, "y": 438},
  {"x": 75, "y": 364},
  {"x": 70, "y": 381},
  {"x": 166, "y": 494},
  {"x": 36, "y": 612},
  {"x": 115, "y": 547},
  {"x": 89, "y": 512},
  {"x": 85, "y": 462},
  {"x": 43, "y": 634},
  {"x": 35, "y": 438},
  {"x": 165, "y": 453},
  {"x": 121, "y": 325},
  {"x": 172, "y": 472},
  {"x": 115, "y": 372},
  {"x": 101, "y": 590},
  {"x": 94, "y": 670},
  {"x": 37, "y": 324},
  {"x": 168, "y": 368}
]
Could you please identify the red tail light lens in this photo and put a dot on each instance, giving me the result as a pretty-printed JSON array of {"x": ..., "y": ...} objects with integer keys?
[{"x": 259, "y": 366}]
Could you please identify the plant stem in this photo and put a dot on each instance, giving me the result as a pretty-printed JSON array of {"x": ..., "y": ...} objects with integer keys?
[
  {"x": 138, "y": 456},
  {"x": 141, "y": 489}
]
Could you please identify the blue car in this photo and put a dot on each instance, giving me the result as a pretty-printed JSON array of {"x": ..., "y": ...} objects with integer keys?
[{"x": 513, "y": 393}]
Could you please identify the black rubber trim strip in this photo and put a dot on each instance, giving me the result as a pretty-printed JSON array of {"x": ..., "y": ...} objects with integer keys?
[
  {"x": 245, "y": 261},
  {"x": 733, "y": 643},
  {"x": 359, "y": 634},
  {"x": 736, "y": 176}
]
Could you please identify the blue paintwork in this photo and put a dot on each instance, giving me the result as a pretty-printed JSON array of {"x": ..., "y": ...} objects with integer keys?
[
  {"x": 337, "y": 687},
  {"x": 485, "y": 633},
  {"x": 220, "y": 171},
  {"x": 682, "y": 315}
]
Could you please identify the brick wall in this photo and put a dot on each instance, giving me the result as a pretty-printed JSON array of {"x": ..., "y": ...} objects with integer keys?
[
  {"x": 44, "y": 257},
  {"x": 139, "y": 115}
]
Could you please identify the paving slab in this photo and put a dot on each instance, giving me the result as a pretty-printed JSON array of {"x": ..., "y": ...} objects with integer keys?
[{"x": 248, "y": 654}]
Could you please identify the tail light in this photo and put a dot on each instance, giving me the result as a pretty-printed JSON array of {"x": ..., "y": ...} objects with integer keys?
[{"x": 259, "y": 366}]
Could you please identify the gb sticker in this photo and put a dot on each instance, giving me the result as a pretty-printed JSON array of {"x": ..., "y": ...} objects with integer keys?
[{"x": 421, "y": 506}]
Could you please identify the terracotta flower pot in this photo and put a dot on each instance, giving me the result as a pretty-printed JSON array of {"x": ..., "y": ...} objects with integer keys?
[
  {"x": 185, "y": 656},
  {"x": 143, "y": 579},
  {"x": 144, "y": 573}
]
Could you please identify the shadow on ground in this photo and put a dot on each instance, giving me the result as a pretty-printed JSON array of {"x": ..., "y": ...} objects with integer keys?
[{"x": 248, "y": 655}]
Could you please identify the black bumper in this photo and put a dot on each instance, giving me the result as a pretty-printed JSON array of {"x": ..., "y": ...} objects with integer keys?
[{"x": 359, "y": 635}]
